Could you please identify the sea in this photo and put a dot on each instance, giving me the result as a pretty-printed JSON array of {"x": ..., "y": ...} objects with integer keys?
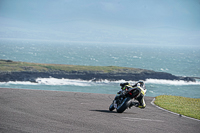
[{"x": 179, "y": 60}]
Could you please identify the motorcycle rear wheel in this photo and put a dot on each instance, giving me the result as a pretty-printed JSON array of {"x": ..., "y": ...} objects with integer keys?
[{"x": 124, "y": 105}]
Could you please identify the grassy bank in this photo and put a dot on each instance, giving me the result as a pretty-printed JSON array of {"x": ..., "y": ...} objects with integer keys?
[
  {"x": 14, "y": 66},
  {"x": 181, "y": 105}
]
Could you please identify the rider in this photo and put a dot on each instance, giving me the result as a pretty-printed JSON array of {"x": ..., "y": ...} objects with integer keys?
[{"x": 140, "y": 86}]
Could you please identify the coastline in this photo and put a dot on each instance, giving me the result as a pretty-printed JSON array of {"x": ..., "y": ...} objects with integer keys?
[{"x": 23, "y": 71}]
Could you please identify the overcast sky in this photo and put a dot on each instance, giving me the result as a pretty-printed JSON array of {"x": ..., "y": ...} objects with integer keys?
[{"x": 118, "y": 21}]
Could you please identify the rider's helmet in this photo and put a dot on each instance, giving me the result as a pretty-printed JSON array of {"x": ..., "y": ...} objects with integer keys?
[{"x": 141, "y": 83}]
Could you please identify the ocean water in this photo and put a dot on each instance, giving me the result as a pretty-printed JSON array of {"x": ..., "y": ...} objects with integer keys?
[{"x": 180, "y": 60}]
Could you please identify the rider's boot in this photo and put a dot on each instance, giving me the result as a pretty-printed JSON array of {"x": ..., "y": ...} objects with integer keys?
[{"x": 136, "y": 104}]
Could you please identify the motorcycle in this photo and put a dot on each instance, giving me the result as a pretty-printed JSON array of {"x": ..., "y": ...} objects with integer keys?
[{"x": 124, "y": 100}]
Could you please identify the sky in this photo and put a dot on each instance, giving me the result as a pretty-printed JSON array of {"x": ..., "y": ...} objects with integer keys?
[{"x": 175, "y": 22}]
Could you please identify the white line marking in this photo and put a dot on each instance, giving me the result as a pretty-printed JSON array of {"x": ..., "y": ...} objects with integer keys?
[
  {"x": 140, "y": 119},
  {"x": 152, "y": 102}
]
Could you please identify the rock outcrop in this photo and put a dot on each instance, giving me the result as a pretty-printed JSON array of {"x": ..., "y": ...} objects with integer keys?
[
  {"x": 23, "y": 71},
  {"x": 90, "y": 75}
]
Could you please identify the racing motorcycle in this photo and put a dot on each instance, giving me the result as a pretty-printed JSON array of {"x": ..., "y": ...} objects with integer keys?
[{"x": 124, "y": 100}]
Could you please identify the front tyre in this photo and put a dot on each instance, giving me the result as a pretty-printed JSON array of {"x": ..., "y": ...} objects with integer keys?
[
  {"x": 111, "y": 108},
  {"x": 124, "y": 105}
]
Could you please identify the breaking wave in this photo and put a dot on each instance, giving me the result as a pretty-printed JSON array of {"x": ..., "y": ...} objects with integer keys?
[
  {"x": 170, "y": 82},
  {"x": 50, "y": 81},
  {"x": 155, "y": 81},
  {"x": 78, "y": 82},
  {"x": 55, "y": 81},
  {"x": 18, "y": 83}
]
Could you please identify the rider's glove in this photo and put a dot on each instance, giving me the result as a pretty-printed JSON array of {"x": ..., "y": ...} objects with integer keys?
[{"x": 119, "y": 92}]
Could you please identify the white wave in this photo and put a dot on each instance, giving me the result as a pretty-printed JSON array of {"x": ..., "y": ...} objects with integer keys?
[
  {"x": 50, "y": 81},
  {"x": 55, "y": 81},
  {"x": 136, "y": 57},
  {"x": 78, "y": 82},
  {"x": 164, "y": 69},
  {"x": 18, "y": 83},
  {"x": 170, "y": 82},
  {"x": 151, "y": 91},
  {"x": 154, "y": 81},
  {"x": 105, "y": 81}
]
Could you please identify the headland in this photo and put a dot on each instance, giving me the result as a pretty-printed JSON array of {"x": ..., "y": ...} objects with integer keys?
[{"x": 24, "y": 71}]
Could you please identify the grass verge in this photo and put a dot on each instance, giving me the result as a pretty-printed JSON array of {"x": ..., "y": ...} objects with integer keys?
[
  {"x": 13, "y": 66},
  {"x": 181, "y": 105}
]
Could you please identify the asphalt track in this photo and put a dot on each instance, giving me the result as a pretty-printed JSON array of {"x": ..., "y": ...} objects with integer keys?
[{"x": 38, "y": 111}]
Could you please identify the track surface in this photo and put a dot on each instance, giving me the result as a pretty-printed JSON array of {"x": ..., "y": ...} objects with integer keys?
[{"x": 38, "y": 111}]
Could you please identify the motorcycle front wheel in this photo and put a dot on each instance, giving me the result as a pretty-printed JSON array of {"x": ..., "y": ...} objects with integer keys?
[{"x": 111, "y": 108}]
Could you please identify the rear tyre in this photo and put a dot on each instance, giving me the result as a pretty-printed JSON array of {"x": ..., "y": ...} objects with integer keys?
[{"x": 124, "y": 105}]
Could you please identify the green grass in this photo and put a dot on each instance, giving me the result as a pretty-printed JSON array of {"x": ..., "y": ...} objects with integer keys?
[
  {"x": 13, "y": 66},
  {"x": 181, "y": 105}
]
